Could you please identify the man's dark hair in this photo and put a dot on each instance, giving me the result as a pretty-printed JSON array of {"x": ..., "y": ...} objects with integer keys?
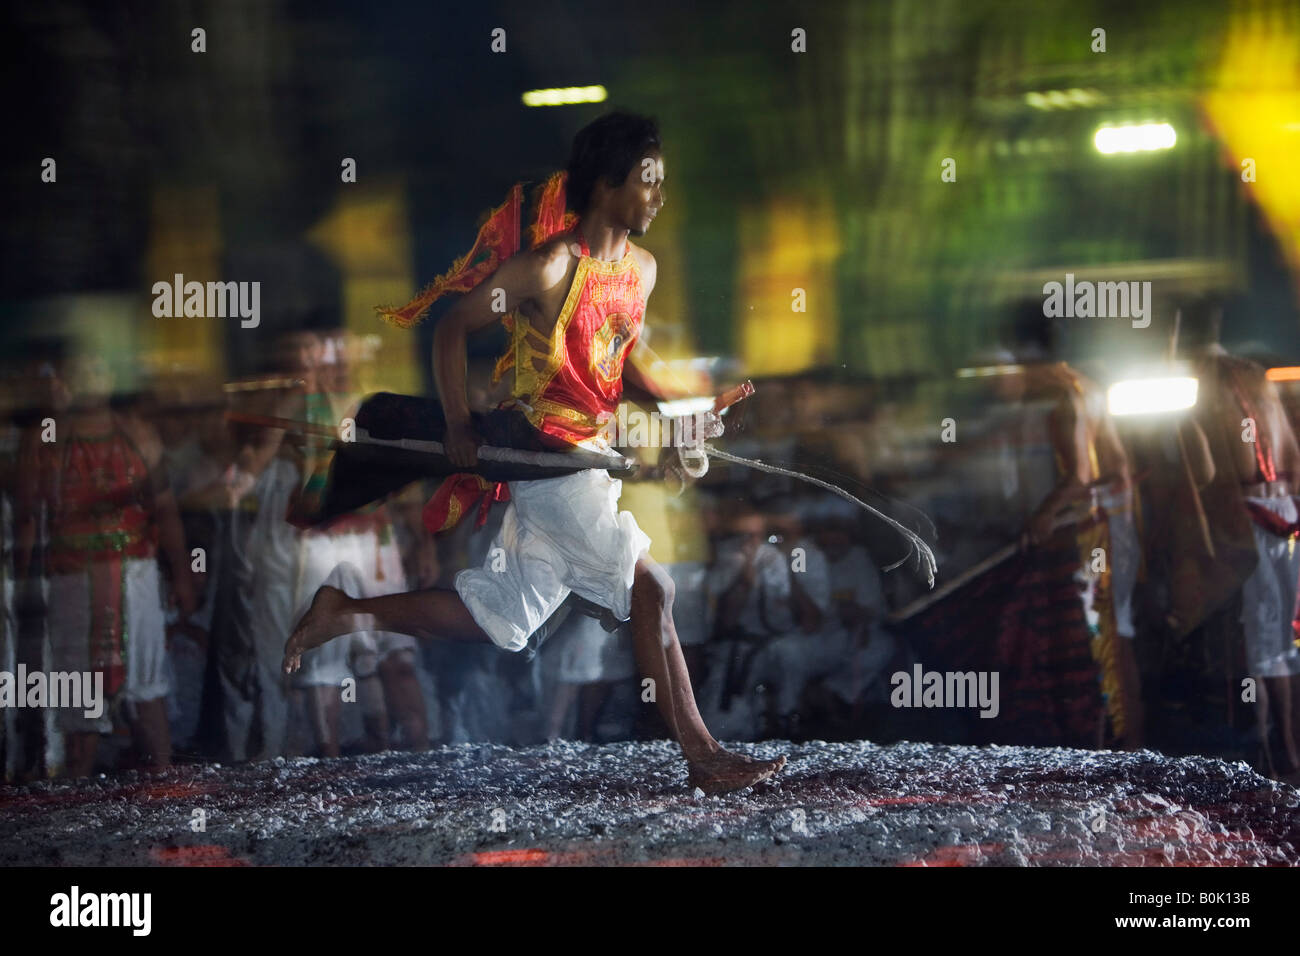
[
  {"x": 1201, "y": 321},
  {"x": 607, "y": 149},
  {"x": 1031, "y": 334}
]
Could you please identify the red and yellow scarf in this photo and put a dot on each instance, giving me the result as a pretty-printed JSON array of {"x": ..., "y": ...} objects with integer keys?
[{"x": 498, "y": 239}]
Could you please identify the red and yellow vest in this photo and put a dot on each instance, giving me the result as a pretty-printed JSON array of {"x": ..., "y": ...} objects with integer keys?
[
  {"x": 566, "y": 383},
  {"x": 569, "y": 384},
  {"x": 97, "y": 488}
]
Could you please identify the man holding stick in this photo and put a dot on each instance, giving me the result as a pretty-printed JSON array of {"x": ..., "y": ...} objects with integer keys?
[{"x": 578, "y": 300}]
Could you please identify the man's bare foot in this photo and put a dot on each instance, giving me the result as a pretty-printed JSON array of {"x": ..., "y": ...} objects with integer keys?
[
  {"x": 318, "y": 625},
  {"x": 725, "y": 771}
]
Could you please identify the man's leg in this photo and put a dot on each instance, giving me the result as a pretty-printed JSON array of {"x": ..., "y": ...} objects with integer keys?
[
  {"x": 659, "y": 657},
  {"x": 324, "y": 712},
  {"x": 566, "y": 693},
  {"x": 272, "y": 708},
  {"x": 79, "y": 753},
  {"x": 591, "y": 701},
  {"x": 1131, "y": 690},
  {"x": 152, "y": 733},
  {"x": 376, "y": 729},
  {"x": 693, "y": 655},
  {"x": 405, "y": 699},
  {"x": 1279, "y": 692},
  {"x": 431, "y": 614},
  {"x": 1293, "y": 691},
  {"x": 1261, "y": 727},
  {"x": 440, "y": 614}
]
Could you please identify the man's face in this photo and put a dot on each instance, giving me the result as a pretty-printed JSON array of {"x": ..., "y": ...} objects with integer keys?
[
  {"x": 300, "y": 352},
  {"x": 752, "y": 525},
  {"x": 636, "y": 203},
  {"x": 92, "y": 381},
  {"x": 835, "y": 541}
]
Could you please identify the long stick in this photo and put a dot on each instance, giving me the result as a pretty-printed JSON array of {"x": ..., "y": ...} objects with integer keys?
[
  {"x": 917, "y": 546},
  {"x": 992, "y": 561},
  {"x": 288, "y": 424},
  {"x": 732, "y": 396},
  {"x": 579, "y": 457},
  {"x": 1197, "y": 505},
  {"x": 926, "y": 600}
]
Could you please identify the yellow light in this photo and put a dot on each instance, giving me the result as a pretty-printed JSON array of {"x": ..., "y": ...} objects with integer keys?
[
  {"x": 1135, "y": 139},
  {"x": 987, "y": 371},
  {"x": 1286, "y": 373},
  {"x": 565, "y": 96},
  {"x": 1251, "y": 102},
  {"x": 1146, "y": 396},
  {"x": 1061, "y": 99}
]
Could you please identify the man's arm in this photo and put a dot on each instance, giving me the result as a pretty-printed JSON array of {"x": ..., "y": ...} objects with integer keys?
[
  {"x": 639, "y": 383},
  {"x": 28, "y": 497},
  {"x": 807, "y": 614},
  {"x": 521, "y": 277},
  {"x": 1286, "y": 448},
  {"x": 166, "y": 515},
  {"x": 1196, "y": 450},
  {"x": 1111, "y": 455},
  {"x": 253, "y": 457},
  {"x": 1068, "y": 430}
]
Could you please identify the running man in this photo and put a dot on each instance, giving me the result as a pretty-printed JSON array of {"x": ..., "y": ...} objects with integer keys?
[{"x": 579, "y": 301}]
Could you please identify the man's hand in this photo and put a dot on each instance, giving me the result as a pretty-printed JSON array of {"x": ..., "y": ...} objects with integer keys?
[
  {"x": 462, "y": 441},
  {"x": 749, "y": 556},
  {"x": 238, "y": 483},
  {"x": 703, "y": 426},
  {"x": 183, "y": 593},
  {"x": 190, "y": 630},
  {"x": 1040, "y": 528},
  {"x": 427, "y": 568}
]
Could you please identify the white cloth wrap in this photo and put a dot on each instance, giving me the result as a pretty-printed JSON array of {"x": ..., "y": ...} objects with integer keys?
[
  {"x": 146, "y": 638},
  {"x": 347, "y": 561},
  {"x": 557, "y": 535},
  {"x": 1269, "y": 596},
  {"x": 589, "y": 653},
  {"x": 1125, "y": 557}
]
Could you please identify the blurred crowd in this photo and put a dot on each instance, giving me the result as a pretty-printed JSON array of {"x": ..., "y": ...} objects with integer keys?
[{"x": 1130, "y": 580}]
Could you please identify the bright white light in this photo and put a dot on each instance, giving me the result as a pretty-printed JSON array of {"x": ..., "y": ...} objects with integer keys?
[
  {"x": 565, "y": 96},
  {"x": 685, "y": 406},
  {"x": 1146, "y": 396},
  {"x": 1135, "y": 139}
]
